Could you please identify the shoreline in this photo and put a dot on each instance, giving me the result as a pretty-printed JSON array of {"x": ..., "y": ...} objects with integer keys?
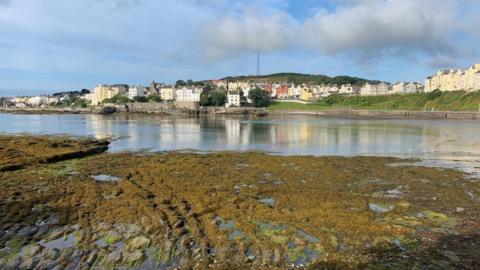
[
  {"x": 262, "y": 112},
  {"x": 375, "y": 114}
]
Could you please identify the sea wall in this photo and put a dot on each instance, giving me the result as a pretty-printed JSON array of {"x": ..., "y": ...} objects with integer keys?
[
  {"x": 53, "y": 110},
  {"x": 136, "y": 107},
  {"x": 386, "y": 114},
  {"x": 232, "y": 110}
]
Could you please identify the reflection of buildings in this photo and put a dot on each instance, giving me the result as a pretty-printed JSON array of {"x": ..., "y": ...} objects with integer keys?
[{"x": 290, "y": 136}]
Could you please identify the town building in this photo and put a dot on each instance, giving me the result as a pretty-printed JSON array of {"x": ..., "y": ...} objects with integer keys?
[
  {"x": 136, "y": 91},
  {"x": 454, "y": 79},
  {"x": 88, "y": 97},
  {"x": 233, "y": 99},
  {"x": 154, "y": 89},
  {"x": 376, "y": 89},
  {"x": 281, "y": 91},
  {"x": 188, "y": 94},
  {"x": 471, "y": 78},
  {"x": 102, "y": 92},
  {"x": 238, "y": 85},
  {"x": 167, "y": 93},
  {"x": 37, "y": 101},
  {"x": 220, "y": 83},
  {"x": 294, "y": 91},
  {"x": 6, "y": 102},
  {"x": 307, "y": 93},
  {"x": 53, "y": 100},
  {"x": 349, "y": 89}
]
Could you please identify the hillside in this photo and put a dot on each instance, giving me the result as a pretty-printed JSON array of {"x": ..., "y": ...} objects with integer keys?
[
  {"x": 299, "y": 78},
  {"x": 440, "y": 101}
]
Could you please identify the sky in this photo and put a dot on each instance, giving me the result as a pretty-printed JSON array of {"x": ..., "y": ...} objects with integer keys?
[{"x": 56, "y": 45}]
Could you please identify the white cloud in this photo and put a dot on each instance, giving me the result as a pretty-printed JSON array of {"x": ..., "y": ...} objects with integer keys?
[
  {"x": 377, "y": 27},
  {"x": 251, "y": 33},
  {"x": 365, "y": 29}
]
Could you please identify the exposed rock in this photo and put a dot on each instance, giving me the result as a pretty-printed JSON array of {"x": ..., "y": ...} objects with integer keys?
[
  {"x": 133, "y": 258},
  {"x": 139, "y": 242},
  {"x": 31, "y": 250},
  {"x": 179, "y": 224},
  {"x": 53, "y": 254},
  {"x": 10, "y": 262},
  {"x": 380, "y": 207},
  {"x": 114, "y": 257},
  {"x": 92, "y": 257}
]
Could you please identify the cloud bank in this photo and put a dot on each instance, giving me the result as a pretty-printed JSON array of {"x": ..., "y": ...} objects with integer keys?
[{"x": 364, "y": 29}]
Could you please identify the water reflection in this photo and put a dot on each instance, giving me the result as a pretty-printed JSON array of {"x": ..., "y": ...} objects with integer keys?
[{"x": 293, "y": 135}]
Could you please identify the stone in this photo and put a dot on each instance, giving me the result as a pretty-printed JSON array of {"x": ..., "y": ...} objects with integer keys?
[
  {"x": 92, "y": 257},
  {"x": 452, "y": 256},
  {"x": 10, "y": 263},
  {"x": 114, "y": 257},
  {"x": 380, "y": 207},
  {"x": 133, "y": 258},
  {"x": 179, "y": 224},
  {"x": 31, "y": 250},
  {"x": 139, "y": 242},
  {"x": 29, "y": 263},
  {"x": 27, "y": 231},
  {"x": 53, "y": 254}
]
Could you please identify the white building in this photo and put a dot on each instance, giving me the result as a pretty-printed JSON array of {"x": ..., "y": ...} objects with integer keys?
[
  {"x": 167, "y": 93},
  {"x": 372, "y": 89},
  {"x": 407, "y": 88},
  {"x": 349, "y": 89},
  {"x": 38, "y": 100},
  {"x": 88, "y": 97},
  {"x": 233, "y": 99},
  {"x": 136, "y": 91},
  {"x": 414, "y": 87},
  {"x": 188, "y": 94},
  {"x": 53, "y": 99}
]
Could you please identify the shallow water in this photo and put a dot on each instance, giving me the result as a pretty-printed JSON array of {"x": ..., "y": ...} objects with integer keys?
[
  {"x": 449, "y": 143},
  {"x": 105, "y": 178},
  {"x": 268, "y": 201}
]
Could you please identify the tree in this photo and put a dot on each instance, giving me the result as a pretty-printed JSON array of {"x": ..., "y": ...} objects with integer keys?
[
  {"x": 180, "y": 83},
  {"x": 189, "y": 82},
  {"x": 140, "y": 99},
  {"x": 206, "y": 96},
  {"x": 117, "y": 99},
  {"x": 219, "y": 98},
  {"x": 84, "y": 91},
  {"x": 259, "y": 97},
  {"x": 152, "y": 98}
]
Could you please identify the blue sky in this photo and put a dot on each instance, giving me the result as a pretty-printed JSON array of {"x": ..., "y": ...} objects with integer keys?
[{"x": 56, "y": 45}]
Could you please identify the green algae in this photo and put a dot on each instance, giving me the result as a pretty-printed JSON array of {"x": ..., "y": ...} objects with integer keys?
[
  {"x": 111, "y": 238},
  {"x": 16, "y": 243},
  {"x": 439, "y": 219}
]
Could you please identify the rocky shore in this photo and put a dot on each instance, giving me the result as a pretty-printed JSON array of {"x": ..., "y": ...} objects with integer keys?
[{"x": 65, "y": 204}]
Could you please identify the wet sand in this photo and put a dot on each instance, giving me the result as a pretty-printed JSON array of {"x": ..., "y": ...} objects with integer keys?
[{"x": 229, "y": 210}]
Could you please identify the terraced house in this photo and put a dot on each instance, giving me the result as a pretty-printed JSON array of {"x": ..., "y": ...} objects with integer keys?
[
  {"x": 376, "y": 89},
  {"x": 455, "y": 79}
]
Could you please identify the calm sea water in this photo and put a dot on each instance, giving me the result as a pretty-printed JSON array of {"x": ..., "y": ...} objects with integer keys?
[{"x": 429, "y": 139}]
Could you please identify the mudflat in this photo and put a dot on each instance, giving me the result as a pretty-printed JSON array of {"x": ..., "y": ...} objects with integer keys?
[{"x": 65, "y": 203}]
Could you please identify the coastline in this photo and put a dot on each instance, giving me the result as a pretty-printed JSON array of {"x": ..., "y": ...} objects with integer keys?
[
  {"x": 373, "y": 114},
  {"x": 351, "y": 114}
]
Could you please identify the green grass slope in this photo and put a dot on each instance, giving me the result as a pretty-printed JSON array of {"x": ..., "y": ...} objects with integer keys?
[{"x": 439, "y": 101}]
